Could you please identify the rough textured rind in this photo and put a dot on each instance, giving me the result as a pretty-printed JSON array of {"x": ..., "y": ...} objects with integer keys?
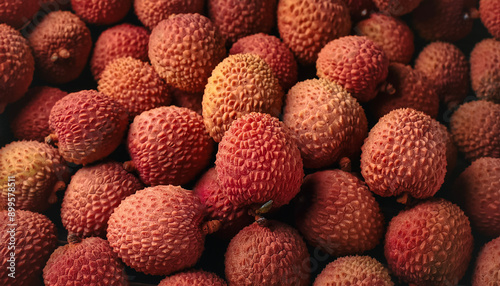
[
  {"x": 356, "y": 63},
  {"x": 135, "y": 85},
  {"x": 325, "y": 120},
  {"x": 258, "y": 161},
  {"x": 157, "y": 230},
  {"x": 485, "y": 69},
  {"x": 397, "y": 7},
  {"x": 169, "y": 145},
  {"x": 489, "y": 11},
  {"x": 194, "y": 278},
  {"x": 152, "y": 12},
  {"x": 405, "y": 153},
  {"x": 18, "y": 13},
  {"x": 444, "y": 20},
  {"x": 306, "y": 26},
  {"x": 124, "y": 40},
  {"x": 429, "y": 244},
  {"x": 487, "y": 264},
  {"x": 354, "y": 270},
  {"x": 236, "y": 19},
  {"x": 272, "y": 254},
  {"x": 38, "y": 171},
  {"x": 475, "y": 127},
  {"x": 479, "y": 187},
  {"x": 92, "y": 195},
  {"x": 445, "y": 65},
  {"x": 101, "y": 12},
  {"x": 391, "y": 34},
  {"x": 61, "y": 45},
  {"x": 184, "y": 49},
  {"x": 88, "y": 126},
  {"x": 240, "y": 84},
  {"x": 31, "y": 117},
  {"x": 276, "y": 54},
  {"x": 35, "y": 239},
  {"x": 410, "y": 89},
  {"x": 17, "y": 66},
  {"x": 89, "y": 262},
  {"x": 340, "y": 215}
]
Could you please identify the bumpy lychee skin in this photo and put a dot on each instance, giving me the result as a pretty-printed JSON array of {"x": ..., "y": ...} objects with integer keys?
[
  {"x": 269, "y": 254},
  {"x": 258, "y": 161},
  {"x": 489, "y": 11},
  {"x": 99, "y": 12},
  {"x": 87, "y": 126},
  {"x": 240, "y": 84},
  {"x": 35, "y": 239},
  {"x": 354, "y": 270},
  {"x": 31, "y": 119},
  {"x": 487, "y": 264},
  {"x": 325, "y": 120},
  {"x": 158, "y": 230},
  {"x": 90, "y": 261},
  {"x": 397, "y": 8},
  {"x": 124, "y": 40},
  {"x": 409, "y": 89},
  {"x": 444, "y": 20},
  {"x": 152, "y": 12},
  {"x": 479, "y": 187},
  {"x": 194, "y": 278},
  {"x": 169, "y": 145},
  {"x": 184, "y": 49},
  {"x": 476, "y": 129},
  {"x": 135, "y": 85},
  {"x": 356, "y": 63},
  {"x": 485, "y": 69},
  {"x": 391, "y": 34},
  {"x": 445, "y": 65},
  {"x": 17, "y": 66},
  {"x": 61, "y": 45},
  {"x": 404, "y": 154},
  {"x": 429, "y": 244},
  {"x": 239, "y": 18},
  {"x": 276, "y": 54},
  {"x": 35, "y": 170},
  {"x": 92, "y": 195},
  {"x": 307, "y": 26},
  {"x": 341, "y": 216},
  {"x": 18, "y": 13}
]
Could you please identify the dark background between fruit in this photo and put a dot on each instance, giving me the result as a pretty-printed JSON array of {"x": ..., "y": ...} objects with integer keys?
[{"x": 213, "y": 256}]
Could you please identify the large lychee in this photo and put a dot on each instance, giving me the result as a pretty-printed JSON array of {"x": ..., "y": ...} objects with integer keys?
[
  {"x": 152, "y": 12},
  {"x": 101, "y": 12},
  {"x": 489, "y": 11},
  {"x": 354, "y": 270},
  {"x": 339, "y": 215},
  {"x": 240, "y": 84},
  {"x": 193, "y": 278},
  {"x": 28, "y": 240},
  {"x": 169, "y": 145},
  {"x": 184, "y": 49},
  {"x": 429, "y": 244},
  {"x": 18, "y": 13},
  {"x": 487, "y": 264},
  {"x": 404, "y": 154},
  {"x": 17, "y": 66},
  {"x": 258, "y": 161},
  {"x": 90, "y": 261},
  {"x": 158, "y": 230},
  {"x": 61, "y": 45},
  {"x": 397, "y": 7},
  {"x": 485, "y": 69},
  {"x": 306, "y": 26},
  {"x": 325, "y": 120},
  {"x": 269, "y": 254},
  {"x": 92, "y": 195},
  {"x": 31, "y": 172},
  {"x": 356, "y": 63},
  {"x": 475, "y": 127},
  {"x": 87, "y": 126}
]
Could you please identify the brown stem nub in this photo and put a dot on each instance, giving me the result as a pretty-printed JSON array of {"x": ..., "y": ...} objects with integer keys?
[
  {"x": 403, "y": 198},
  {"x": 59, "y": 186},
  {"x": 129, "y": 166},
  {"x": 388, "y": 88},
  {"x": 262, "y": 221},
  {"x": 74, "y": 238},
  {"x": 211, "y": 226},
  {"x": 51, "y": 139},
  {"x": 265, "y": 208},
  {"x": 345, "y": 164},
  {"x": 472, "y": 14}
]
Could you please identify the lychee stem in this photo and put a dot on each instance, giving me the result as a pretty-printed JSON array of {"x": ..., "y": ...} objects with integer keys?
[
  {"x": 403, "y": 198},
  {"x": 345, "y": 164},
  {"x": 74, "y": 238},
  {"x": 211, "y": 226},
  {"x": 263, "y": 209},
  {"x": 472, "y": 14},
  {"x": 387, "y": 88},
  {"x": 129, "y": 166},
  {"x": 51, "y": 139},
  {"x": 59, "y": 186}
]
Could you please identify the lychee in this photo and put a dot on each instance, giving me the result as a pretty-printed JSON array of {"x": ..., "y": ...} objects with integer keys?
[
  {"x": 485, "y": 69},
  {"x": 489, "y": 11},
  {"x": 152, "y": 12},
  {"x": 398, "y": 7},
  {"x": 487, "y": 264},
  {"x": 18, "y": 13},
  {"x": 194, "y": 278},
  {"x": 101, "y": 12}
]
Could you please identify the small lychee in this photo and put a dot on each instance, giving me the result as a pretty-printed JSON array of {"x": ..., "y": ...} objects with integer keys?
[
  {"x": 193, "y": 278},
  {"x": 487, "y": 264},
  {"x": 485, "y": 69}
]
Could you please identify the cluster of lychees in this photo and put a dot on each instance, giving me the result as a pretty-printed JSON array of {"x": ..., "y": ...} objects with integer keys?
[{"x": 287, "y": 130}]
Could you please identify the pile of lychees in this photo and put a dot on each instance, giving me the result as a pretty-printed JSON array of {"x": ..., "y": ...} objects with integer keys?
[{"x": 250, "y": 142}]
